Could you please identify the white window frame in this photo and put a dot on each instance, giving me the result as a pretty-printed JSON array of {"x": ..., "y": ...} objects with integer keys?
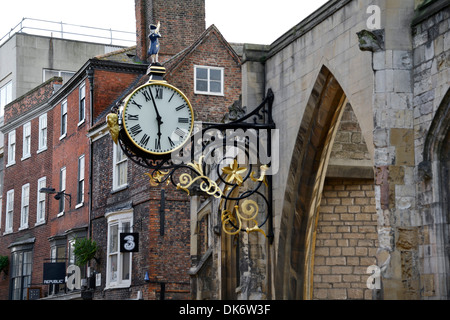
[
  {"x": 5, "y": 96},
  {"x": 62, "y": 184},
  {"x": 11, "y": 148},
  {"x": 118, "y": 165},
  {"x": 82, "y": 105},
  {"x": 26, "y": 146},
  {"x": 80, "y": 181},
  {"x": 41, "y": 201},
  {"x": 25, "y": 207},
  {"x": 64, "y": 74},
  {"x": 9, "y": 211},
  {"x": 113, "y": 278},
  {"x": 208, "y": 80},
  {"x": 63, "y": 119},
  {"x": 42, "y": 133}
]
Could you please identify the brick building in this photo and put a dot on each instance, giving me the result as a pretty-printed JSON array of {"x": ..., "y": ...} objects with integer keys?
[
  {"x": 48, "y": 147},
  {"x": 57, "y": 135},
  {"x": 123, "y": 199}
]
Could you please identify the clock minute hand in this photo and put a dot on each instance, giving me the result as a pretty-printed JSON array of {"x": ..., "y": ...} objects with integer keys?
[{"x": 158, "y": 116}]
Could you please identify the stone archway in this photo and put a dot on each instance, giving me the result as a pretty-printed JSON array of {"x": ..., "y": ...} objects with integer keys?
[
  {"x": 310, "y": 157},
  {"x": 434, "y": 184},
  {"x": 318, "y": 169}
]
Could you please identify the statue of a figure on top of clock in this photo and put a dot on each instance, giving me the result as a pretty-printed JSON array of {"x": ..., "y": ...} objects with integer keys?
[{"x": 154, "y": 36}]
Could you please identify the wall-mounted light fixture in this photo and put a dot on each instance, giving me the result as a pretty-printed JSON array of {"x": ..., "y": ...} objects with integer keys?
[{"x": 58, "y": 195}]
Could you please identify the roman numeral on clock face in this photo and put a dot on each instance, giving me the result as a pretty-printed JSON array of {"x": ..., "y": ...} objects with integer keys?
[
  {"x": 171, "y": 142},
  {"x": 181, "y": 107},
  {"x": 136, "y": 104},
  {"x": 145, "y": 139},
  {"x": 183, "y": 120},
  {"x": 159, "y": 93},
  {"x": 179, "y": 132},
  {"x": 157, "y": 144},
  {"x": 133, "y": 117},
  {"x": 146, "y": 95},
  {"x": 136, "y": 130}
]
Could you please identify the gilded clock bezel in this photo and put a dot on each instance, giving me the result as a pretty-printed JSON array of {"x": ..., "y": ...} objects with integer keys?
[{"x": 183, "y": 96}]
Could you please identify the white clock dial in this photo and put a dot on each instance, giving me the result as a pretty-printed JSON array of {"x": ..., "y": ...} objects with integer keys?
[{"x": 158, "y": 118}]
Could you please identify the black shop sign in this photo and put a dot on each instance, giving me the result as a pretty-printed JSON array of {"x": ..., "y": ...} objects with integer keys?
[
  {"x": 54, "y": 273},
  {"x": 129, "y": 242}
]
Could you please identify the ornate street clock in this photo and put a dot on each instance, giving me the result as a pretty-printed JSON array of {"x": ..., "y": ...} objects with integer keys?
[{"x": 157, "y": 118}]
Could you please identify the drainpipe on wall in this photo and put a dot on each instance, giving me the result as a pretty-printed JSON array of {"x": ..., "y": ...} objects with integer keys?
[{"x": 90, "y": 74}]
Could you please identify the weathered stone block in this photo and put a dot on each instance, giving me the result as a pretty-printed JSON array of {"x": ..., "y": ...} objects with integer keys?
[
  {"x": 407, "y": 239},
  {"x": 403, "y": 140}
]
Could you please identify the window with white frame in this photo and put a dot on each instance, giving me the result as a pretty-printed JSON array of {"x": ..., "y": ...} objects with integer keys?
[
  {"x": 208, "y": 80},
  {"x": 9, "y": 211},
  {"x": 62, "y": 189},
  {"x": 5, "y": 96},
  {"x": 118, "y": 268},
  {"x": 11, "y": 148},
  {"x": 26, "y": 146},
  {"x": 42, "y": 133},
  {"x": 82, "y": 104},
  {"x": 65, "y": 75},
  {"x": 25, "y": 207},
  {"x": 120, "y": 167},
  {"x": 40, "y": 211},
  {"x": 80, "y": 189},
  {"x": 63, "y": 119}
]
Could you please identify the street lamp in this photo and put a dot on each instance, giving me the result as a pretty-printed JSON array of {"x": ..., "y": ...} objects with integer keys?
[{"x": 58, "y": 195}]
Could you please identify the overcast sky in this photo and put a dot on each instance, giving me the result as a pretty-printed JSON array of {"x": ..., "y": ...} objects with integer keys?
[{"x": 250, "y": 21}]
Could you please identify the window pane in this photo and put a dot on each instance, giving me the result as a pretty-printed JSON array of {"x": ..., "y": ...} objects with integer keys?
[
  {"x": 215, "y": 75},
  {"x": 66, "y": 76},
  {"x": 126, "y": 227},
  {"x": 120, "y": 155},
  {"x": 126, "y": 266},
  {"x": 202, "y": 73},
  {"x": 202, "y": 85},
  {"x": 215, "y": 87},
  {"x": 48, "y": 74},
  {"x": 27, "y": 263},
  {"x": 113, "y": 268},
  {"x": 113, "y": 238},
  {"x": 122, "y": 174}
]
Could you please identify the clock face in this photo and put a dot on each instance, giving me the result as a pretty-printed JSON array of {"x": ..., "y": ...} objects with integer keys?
[{"x": 158, "y": 118}]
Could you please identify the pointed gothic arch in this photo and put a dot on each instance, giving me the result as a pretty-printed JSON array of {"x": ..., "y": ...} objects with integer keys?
[
  {"x": 307, "y": 172},
  {"x": 434, "y": 171}
]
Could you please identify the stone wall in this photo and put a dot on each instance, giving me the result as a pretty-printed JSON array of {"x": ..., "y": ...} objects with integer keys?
[{"x": 431, "y": 74}]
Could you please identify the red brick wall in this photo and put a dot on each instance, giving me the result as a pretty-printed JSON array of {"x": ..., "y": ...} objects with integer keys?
[
  {"x": 28, "y": 171},
  {"x": 108, "y": 86},
  {"x": 66, "y": 152},
  {"x": 182, "y": 22},
  {"x": 33, "y": 98},
  {"x": 59, "y": 153},
  {"x": 213, "y": 53},
  {"x": 165, "y": 257}
]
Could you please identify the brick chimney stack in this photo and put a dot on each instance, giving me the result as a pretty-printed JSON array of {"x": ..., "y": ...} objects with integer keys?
[{"x": 182, "y": 22}]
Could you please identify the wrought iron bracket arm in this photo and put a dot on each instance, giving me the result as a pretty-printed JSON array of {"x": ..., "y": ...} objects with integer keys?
[{"x": 234, "y": 186}]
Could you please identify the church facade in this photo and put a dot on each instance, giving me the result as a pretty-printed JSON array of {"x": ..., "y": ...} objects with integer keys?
[{"x": 360, "y": 199}]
